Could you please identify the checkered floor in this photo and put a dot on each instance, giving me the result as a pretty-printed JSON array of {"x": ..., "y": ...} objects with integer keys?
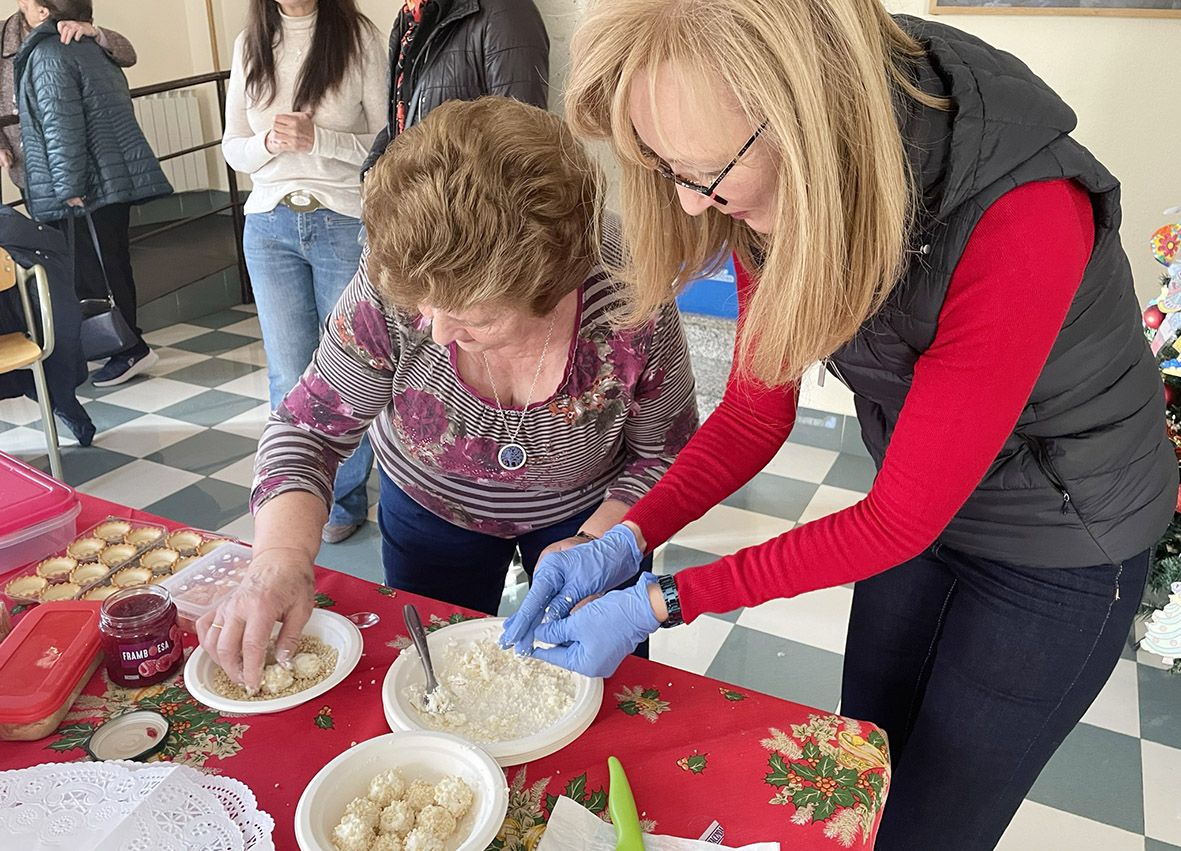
[{"x": 180, "y": 444}]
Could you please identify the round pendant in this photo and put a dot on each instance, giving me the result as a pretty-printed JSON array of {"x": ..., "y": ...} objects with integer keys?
[{"x": 512, "y": 456}]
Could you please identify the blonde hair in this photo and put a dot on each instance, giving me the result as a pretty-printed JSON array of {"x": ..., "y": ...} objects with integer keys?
[
  {"x": 484, "y": 201},
  {"x": 822, "y": 74}
]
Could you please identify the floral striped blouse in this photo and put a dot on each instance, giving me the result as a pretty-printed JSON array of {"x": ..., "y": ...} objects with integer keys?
[{"x": 624, "y": 409}]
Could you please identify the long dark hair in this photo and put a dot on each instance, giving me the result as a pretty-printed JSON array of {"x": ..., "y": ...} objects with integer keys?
[{"x": 340, "y": 28}]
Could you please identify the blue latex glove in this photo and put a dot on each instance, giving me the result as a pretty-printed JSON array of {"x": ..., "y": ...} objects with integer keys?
[
  {"x": 564, "y": 579},
  {"x": 596, "y": 638}
]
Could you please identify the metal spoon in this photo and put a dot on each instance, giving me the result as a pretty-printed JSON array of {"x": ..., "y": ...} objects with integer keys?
[
  {"x": 364, "y": 620},
  {"x": 414, "y": 625}
]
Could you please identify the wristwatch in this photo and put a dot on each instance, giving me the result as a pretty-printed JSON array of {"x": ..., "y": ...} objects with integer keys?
[{"x": 672, "y": 601}]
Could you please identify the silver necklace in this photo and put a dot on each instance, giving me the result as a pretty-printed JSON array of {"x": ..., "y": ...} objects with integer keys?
[{"x": 512, "y": 455}]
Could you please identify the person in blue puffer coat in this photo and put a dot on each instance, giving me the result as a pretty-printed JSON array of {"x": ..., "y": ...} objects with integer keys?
[{"x": 84, "y": 151}]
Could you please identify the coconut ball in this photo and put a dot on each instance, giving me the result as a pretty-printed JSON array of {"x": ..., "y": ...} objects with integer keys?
[
  {"x": 420, "y": 794},
  {"x": 387, "y": 842},
  {"x": 306, "y": 665},
  {"x": 352, "y": 834},
  {"x": 454, "y": 795},
  {"x": 387, "y": 787},
  {"x": 366, "y": 810},
  {"x": 419, "y": 840},
  {"x": 276, "y": 678},
  {"x": 436, "y": 821},
  {"x": 397, "y": 818}
]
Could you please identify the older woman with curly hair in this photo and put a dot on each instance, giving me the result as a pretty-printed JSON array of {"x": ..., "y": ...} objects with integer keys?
[{"x": 477, "y": 345}]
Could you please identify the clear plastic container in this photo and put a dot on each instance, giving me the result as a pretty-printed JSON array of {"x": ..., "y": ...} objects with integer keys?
[
  {"x": 39, "y": 514},
  {"x": 199, "y": 587}
]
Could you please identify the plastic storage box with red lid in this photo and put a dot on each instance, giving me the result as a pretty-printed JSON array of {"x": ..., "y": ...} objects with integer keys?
[
  {"x": 37, "y": 514},
  {"x": 44, "y": 664}
]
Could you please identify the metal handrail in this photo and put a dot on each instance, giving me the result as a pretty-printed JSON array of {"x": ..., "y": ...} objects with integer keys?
[
  {"x": 179, "y": 83},
  {"x": 218, "y": 79}
]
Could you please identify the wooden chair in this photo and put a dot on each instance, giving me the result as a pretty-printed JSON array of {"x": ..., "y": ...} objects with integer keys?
[{"x": 21, "y": 351}]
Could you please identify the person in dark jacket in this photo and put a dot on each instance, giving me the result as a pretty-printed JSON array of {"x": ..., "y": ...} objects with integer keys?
[
  {"x": 443, "y": 50},
  {"x": 32, "y": 244},
  {"x": 911, "y": 211},
  {"x": 84, "y": 152},
  {"x": 12, "y": 35}
]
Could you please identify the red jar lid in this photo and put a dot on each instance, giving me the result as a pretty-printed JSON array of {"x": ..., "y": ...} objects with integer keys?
[
  {"x": 30, "y": 497},
  {"x": 42, "y": 659}
]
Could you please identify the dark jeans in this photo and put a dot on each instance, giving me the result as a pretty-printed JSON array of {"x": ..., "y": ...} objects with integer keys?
[
  {"x": 426, "y": 555},
  {"x": 112, "y": 223},
  {"x": 978, "y": 670}
]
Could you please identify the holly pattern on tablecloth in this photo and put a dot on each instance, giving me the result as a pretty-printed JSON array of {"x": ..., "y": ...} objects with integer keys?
[
  {"x": 386, "y": 591},
  {"x": 403, "y": 641},
  {"x": 594, "y": 800},
  {"x": 645, "y": 702},
  {"x": 197, "y": 733},
  {"x": 323, "y": 718},
  {"x": 524, "y": 823},
  {"x": 831, "y": 774},
  {"x": 323, "y": 601},
  {"x": 694, "y": 763},
  {"x": 730, "y": 694},
  {"x": 530, "y": 807}
]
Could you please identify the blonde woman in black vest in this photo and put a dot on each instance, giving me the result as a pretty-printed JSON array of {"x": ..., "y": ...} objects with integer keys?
[{"x": 908, "y": 209}]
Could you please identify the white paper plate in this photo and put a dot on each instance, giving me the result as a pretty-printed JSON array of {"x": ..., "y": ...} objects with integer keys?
[
  {"x": 407, "y": 671},
  {"x": 418, "y": 755},
  {"x": 333, "y": 629}
]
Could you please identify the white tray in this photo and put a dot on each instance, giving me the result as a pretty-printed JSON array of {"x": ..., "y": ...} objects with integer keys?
[
  {"x": 419, "y": 756},
  {"x": 333, "y": 629},
  {"x": 407, "y": 671}
]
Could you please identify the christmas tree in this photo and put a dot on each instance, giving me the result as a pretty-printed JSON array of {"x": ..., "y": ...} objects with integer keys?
[
  {"x": 1162, "y": 326},
  {"x": 1164, "y": 631}
]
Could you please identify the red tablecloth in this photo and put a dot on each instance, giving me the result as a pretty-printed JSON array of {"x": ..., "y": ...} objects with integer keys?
[{"x": 695, "y": 749}]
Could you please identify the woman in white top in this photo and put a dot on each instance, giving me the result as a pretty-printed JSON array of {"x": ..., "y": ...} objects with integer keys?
[{"x": 307, "y": 96}]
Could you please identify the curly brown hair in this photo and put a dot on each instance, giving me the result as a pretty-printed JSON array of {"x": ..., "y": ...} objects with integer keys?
[{"x": 490, "y": 201}]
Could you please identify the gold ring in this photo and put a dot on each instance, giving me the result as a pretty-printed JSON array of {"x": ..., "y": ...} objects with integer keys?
[{"x": 216, "y": 625}]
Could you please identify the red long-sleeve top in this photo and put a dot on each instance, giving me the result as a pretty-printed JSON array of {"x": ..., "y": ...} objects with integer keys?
[{"x": 1005, "y": 304}]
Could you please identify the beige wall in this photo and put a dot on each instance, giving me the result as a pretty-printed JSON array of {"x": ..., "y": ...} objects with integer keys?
[
  {"x": 1114, "y": 71},
  {"x": 1116, "y": 74}
]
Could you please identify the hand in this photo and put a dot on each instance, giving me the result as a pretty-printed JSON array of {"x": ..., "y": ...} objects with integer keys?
[
  {"x": 563, "y": 578},
  {"x": 596, "y": 638},
  {"x": 76, "y": 31},
  {"x": 294, "y": 131},
  {"x": 564, "y": 544},
  {"x": 279, "y": 587},
  {"x": 6, "y": 159},
  {"x": 76, "y": 202}
]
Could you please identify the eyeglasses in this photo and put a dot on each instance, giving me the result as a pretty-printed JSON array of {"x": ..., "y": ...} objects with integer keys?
[{"x": 662, "y": 168}]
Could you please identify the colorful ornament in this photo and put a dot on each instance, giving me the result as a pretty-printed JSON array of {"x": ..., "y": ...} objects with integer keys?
[
  {"x": 1164, "y": 630},
  {"x": 1153, "y": 316},
  {"x": 1165, "y": 243}
]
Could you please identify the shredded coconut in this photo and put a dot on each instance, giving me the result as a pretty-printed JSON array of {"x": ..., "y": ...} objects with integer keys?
[{"x": 493, "y": 694}]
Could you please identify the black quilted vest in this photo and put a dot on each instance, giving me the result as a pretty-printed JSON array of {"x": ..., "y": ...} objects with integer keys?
[{"x": 1087, "y": 477}]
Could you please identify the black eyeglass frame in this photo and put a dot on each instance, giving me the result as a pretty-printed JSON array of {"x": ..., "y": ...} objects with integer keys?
[{"x": 663, "y": 169}]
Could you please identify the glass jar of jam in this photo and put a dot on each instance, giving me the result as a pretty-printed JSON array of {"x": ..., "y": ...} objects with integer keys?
[{"x": 140, "y": 636}]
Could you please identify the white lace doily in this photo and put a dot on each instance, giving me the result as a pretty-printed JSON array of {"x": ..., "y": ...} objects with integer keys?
[{"x": 127, "y": 806}]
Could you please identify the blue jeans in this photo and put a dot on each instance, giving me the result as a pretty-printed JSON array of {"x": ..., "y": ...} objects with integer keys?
[
  {"x": 424, "y": 554},
  {"x": 299, "y": 264},
  {"x": 977, "y": 670}
]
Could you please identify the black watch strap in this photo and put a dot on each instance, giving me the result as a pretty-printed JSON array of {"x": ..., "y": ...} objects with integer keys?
[{"x": 672, "y": 601}]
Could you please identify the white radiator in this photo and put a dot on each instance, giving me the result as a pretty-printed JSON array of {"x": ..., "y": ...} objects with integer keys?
[{"x": 172, "y": 122}]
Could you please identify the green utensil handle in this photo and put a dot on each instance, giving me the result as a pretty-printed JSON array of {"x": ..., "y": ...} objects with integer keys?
[{"x": 622, "y": 807}]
